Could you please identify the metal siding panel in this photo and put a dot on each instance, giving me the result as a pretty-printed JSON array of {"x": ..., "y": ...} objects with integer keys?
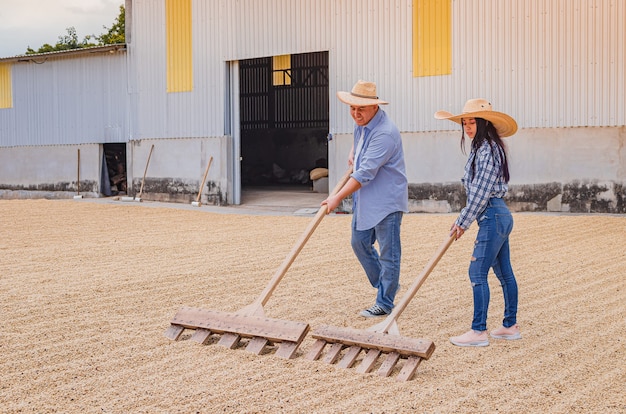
[
  {"x": 197, "y": 113},
  {"x": 530, "y": 58},
  {"x": 617, "y": 71},
  {"x": 67, "y": 100},
  {"x": 147, "y": 63},
  {"x": 548, "y": 63}
]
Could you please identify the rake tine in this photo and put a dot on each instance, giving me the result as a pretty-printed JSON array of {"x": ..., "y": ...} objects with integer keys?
[
  {"x": 333, "y": 353},
  {"x": 409, "y": 368},
  {"x": 229, "y": 340},
  {"x": 350, "y": 356},
  {"x": 368, "y": 362},
  {"x": 287, "y": 350},
  {"x": 387, "y": 366},
  {"x": 174, "y": 332},
  {"x": 316, "y": 350},
  {"x": 256, "y": 345},
  {"x": 201, "y": 336}
]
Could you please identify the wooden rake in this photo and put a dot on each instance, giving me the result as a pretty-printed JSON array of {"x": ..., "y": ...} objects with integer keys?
[
  {"x": 380, "y": 338},
  {"x": 250, "y": 321}
]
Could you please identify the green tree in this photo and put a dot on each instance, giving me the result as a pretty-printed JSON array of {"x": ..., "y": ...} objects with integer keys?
[{"x": 114, "y": 35}]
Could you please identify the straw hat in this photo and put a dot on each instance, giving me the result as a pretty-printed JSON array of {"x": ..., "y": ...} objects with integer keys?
[
  {"x": 481, "y": 108},
  {"x": 363, "y": 94}
]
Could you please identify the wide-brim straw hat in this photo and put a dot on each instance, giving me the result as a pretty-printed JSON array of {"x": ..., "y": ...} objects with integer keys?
[
  {"x": 481, "y": 108},
  {"x": 363, "y": 94}
]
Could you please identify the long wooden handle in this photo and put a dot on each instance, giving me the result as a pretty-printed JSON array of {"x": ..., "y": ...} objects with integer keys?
[
  {"x": 206, "y": 172},
  {"x": 390, "y": 320},
  {"x": 143, "y": 180},
  {"x": 78, "y": 174},
  {"x": 265, "y": 295}
]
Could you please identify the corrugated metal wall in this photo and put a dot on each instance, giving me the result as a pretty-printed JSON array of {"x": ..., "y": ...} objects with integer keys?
[
  {"x": 554, "y": 63},
  {"x": 550, "y": 63},
  {"x": 67, "y": 100}
]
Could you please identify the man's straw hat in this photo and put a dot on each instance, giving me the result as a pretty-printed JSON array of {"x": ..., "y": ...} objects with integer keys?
[
  {"x": 481, "y": 108},
  {"x": 363, "y": 94}
]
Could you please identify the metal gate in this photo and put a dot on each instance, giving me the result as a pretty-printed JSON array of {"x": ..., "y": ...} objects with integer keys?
[{"x": 300, "y": 100}]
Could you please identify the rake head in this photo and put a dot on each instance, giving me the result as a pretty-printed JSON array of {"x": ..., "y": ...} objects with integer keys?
[
  {"x": 381, "y": 338},
  {"x": 262, "y": 331},
  {"x": 353, "y": 341}
]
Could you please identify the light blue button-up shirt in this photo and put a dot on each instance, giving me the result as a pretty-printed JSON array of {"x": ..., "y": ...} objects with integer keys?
[{"x": 381, "y": 172}]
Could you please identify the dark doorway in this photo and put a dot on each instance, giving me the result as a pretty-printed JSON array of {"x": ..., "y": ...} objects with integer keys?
[
  {"x": 114, "y": 178},
  {"x": 284, "y": 119}
]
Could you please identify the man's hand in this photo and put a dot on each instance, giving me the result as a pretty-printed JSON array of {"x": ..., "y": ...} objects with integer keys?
[{"x": 331, "y": 203}]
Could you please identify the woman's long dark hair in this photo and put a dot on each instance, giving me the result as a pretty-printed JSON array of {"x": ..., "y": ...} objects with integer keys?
[{"x": 486, "y": 131}]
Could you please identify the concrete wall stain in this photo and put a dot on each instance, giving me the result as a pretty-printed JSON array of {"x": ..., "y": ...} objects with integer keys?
[
  {"x": 573, "y": 197},
  {"x": 62, "y": 186},
  {"x": 534, "y": 194},
  {"x": 176, "y": 190}
]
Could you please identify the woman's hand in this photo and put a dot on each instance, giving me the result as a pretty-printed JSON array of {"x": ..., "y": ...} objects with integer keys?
[{"x": 457, "y": 231}]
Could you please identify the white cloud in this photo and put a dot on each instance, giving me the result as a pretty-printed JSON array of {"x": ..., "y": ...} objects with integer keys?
[{"x": 25, "y": 23}]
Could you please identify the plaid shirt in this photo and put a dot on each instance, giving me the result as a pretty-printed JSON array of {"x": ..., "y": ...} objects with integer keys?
[{"x": 486, "y": 183}]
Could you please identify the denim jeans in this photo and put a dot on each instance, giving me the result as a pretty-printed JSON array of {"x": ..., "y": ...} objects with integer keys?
[
  {"x": 382, "y": 269},
  {"x": 491, "y": 250}
]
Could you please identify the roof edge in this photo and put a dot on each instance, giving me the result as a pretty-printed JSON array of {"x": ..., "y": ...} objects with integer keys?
[{"x": 66, "y": 53}]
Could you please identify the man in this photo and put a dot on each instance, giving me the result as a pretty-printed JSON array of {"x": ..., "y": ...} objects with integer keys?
[{"x": 380, "y": 194}]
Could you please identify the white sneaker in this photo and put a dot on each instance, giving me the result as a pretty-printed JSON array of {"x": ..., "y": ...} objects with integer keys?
[
  {"x": 509, "y": 333},
  {"x": 471, "y": 338}
]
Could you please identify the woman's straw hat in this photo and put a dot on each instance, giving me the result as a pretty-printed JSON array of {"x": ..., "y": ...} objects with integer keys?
[
  {"x": 363, "y": 94},
  {"x": 481, "y": 108}
]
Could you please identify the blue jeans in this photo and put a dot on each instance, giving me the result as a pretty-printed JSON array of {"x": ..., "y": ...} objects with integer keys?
[
  {"x": 491, "y": 250},
  {"x": 382, "y": 269}
]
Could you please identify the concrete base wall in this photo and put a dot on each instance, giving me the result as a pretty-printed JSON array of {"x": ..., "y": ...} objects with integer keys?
[
  {"x": 50, "y": 171},
  {"x": 564, "y": 170},
  {"x": 177, "y": 167},
  {"x": 174, "y": 172},
  {"x": 560, "y": 170}
]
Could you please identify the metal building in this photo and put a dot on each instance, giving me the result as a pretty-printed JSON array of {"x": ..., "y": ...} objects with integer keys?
[{"x": 252, "y": 83}]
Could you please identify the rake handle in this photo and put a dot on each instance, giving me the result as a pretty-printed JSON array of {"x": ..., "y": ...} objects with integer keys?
[
  {"x": 408, "y": 296},
  {"x": 78, "y": 174},
  {"x": 265, "y": 295},
  {"x": 143, "y": 180},
  {"x": 206, "y": 172}
]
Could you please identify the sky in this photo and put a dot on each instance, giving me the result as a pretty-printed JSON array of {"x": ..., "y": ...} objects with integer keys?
[{"x": 25, "y": 23}]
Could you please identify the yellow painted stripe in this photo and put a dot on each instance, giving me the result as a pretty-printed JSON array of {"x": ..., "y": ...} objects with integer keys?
[
  {"x": 179, "y": 50},
  {"x": 432, "y": 37},
  {"x": 6, "y": 93}
]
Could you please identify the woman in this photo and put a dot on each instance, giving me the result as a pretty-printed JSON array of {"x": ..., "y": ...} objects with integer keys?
[{"x": 485, "y": 181}]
